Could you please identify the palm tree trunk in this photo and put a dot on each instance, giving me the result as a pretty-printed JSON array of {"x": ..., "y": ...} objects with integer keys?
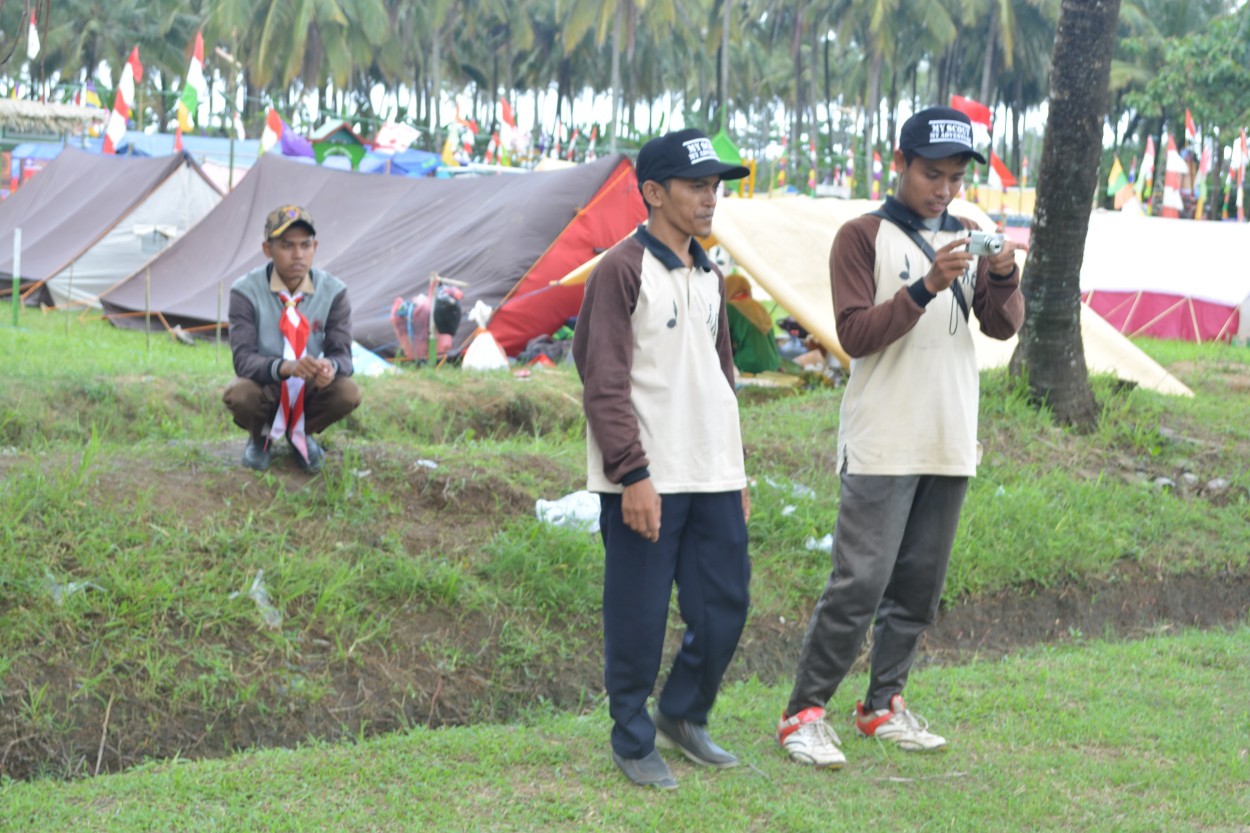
[
  {"x": 722, "y": 94},
  {"x": 1050, "y": 349},
  {"x": 436, "y": 85},
  {"x": 987, "y": 66},
  {"x": 616, "y": 75}
]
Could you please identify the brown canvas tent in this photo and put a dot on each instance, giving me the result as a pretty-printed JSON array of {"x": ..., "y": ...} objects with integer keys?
[
  {"x": 88, "y": 220},
  {"x": 384, "y": 236}
]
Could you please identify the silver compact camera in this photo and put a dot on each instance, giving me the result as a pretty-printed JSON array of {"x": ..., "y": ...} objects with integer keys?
[{"x": 984, "y": 244}]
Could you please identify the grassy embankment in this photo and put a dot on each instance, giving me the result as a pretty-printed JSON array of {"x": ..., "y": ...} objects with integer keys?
[{"x": 414, "y": 595}]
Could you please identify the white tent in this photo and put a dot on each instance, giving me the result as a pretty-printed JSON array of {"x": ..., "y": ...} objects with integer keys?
[
  {"x": 87, "y": 220},
  {"x": 1168, "y": 278}
]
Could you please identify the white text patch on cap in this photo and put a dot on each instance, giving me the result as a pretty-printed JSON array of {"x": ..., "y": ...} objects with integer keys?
[
  {"x": 701, "y": 150},
  {"x": 942, "y": 131}
]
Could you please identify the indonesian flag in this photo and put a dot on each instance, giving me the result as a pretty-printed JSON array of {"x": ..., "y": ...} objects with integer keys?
[
  {"x": 978, "y": 114},
  {"x": 492, "y": 148},
  {"x": 591, "y": 156},
  {"x": 508, "y": 134},
  {"x": 1172, "y": 204},
  {"x": 123, "y": 101},
  {"x": 1144, "y": 184},
  {"x": 556, "y": 138},
  {"x": 274, "y": 128},
  {"x": 573, "y": 143},
  {"x": 32, "y": 39},
  {"x": 1000, "y": 175},
  {"x": 194, "y": 89},
  {"x": 468, "y": 134},
  {"x": 1191, "y": 132}
]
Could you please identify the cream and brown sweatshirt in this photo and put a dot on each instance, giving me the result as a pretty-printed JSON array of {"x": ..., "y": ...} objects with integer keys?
[
  {"x": 910, "y": 406},
  {"x": 652, "y": 347}
]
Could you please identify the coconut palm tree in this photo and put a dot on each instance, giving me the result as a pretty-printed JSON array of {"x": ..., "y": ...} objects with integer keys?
[{"x": 1050, "y": 350}]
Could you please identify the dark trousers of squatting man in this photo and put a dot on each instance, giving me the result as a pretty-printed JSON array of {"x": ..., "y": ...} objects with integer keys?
[
  {"x": 703, "y": 548},
  {"x": 891, "y": 545}
]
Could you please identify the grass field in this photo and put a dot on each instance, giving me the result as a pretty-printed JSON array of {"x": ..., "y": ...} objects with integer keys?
[
  {"x": 1136, "y": 737},
  {"x": 410, "y": 587}
]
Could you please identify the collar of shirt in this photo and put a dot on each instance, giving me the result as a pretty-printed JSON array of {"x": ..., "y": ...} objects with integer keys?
[
  {"x": 666, "y": 255},
  {"x": 276, "y": 284},
  {"x": 903, "y": 215}
]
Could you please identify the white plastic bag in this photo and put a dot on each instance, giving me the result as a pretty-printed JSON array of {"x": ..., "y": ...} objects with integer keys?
[
  {"x": 484, "y": 353},
  {"x": 579, "y": 510}
]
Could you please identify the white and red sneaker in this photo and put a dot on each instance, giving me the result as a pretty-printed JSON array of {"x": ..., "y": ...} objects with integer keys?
[
  {"x": 809, "y": 739},
  {"x": 899, "y": 726}
]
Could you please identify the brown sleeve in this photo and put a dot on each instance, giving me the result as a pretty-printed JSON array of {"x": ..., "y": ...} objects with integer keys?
[
  {"x": 863, "y": 326},
  {"x": 724, "y": 340},
  {"x": 338, "y": 337},
  {"x": 997, "y": 301},
  {"x": 603, "y": 350}
]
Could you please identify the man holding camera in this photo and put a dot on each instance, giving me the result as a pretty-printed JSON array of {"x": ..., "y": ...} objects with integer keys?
[{"x": 904, "y": 282}]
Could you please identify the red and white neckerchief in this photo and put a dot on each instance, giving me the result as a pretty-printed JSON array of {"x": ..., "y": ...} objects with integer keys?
[{"x": 295, "y": 331}]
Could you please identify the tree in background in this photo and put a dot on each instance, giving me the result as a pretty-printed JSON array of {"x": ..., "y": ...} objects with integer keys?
[{"x": 1050, "y": 350}]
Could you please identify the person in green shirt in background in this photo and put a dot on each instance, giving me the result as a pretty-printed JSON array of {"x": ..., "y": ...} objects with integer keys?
[{"x": 750, "y": 329}]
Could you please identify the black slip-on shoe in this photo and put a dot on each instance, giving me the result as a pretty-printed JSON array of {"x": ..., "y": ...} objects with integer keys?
[
  {"x": 316, "y": 456},
  {"x": 693, "y": 741},
  {"x": 647, "y": 771},
  {"x": 256, "y": 455}
]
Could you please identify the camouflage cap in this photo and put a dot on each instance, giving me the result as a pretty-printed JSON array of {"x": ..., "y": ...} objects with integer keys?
[{"x": 285, "y": 216}]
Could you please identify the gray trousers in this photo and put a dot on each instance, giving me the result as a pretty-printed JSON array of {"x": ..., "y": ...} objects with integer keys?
[{"x": 891, "y": 545}]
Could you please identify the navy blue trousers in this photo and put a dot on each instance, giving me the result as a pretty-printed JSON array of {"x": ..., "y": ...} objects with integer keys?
[{"x": 703, "y": 548}]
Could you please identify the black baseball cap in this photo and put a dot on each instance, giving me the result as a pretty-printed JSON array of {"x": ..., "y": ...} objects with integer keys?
[
  {"x": 937, "y": 133},
  {"x": 685, "y": 154}
]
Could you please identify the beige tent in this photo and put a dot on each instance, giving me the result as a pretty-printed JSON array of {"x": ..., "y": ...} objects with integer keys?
[{"x": 783, "y": 244}]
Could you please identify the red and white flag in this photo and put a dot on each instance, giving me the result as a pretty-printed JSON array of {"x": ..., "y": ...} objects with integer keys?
[
  {"x": 1172, "y": 204},
  {"x": 977, "y": 113},
  {"x": 274, "y": 128},
  {"x": 1000, "y": 175},
  {"x": 573, "y": 143},
  {"x": 591, "y": 156},
  {"x": 468, "y": 134},
  {"x": 1191, "y": 132},
  {"x": 123, "y": 101},
  {"x": 492, "y": 148}
]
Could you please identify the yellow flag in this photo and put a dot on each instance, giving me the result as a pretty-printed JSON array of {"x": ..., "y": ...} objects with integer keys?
[{"x": 449, "y": 152}]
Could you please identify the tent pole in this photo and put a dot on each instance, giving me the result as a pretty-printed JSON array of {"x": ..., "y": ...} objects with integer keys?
[
  {"x": 218, "y": 326},
  {"x": 17, "y": 273},
  {"x": 147, "y": 306},
  {"x": 69, "y": 296}
]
